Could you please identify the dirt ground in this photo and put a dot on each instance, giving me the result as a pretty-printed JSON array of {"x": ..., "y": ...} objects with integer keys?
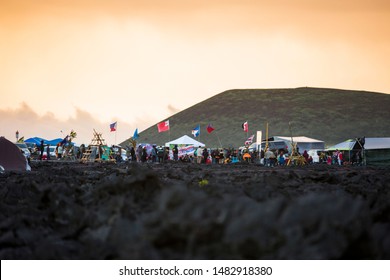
[{"x": 64, "y": 210}]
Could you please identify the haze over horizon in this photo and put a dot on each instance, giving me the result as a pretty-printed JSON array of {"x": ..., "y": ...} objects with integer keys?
[{"x": 82, "y": 64}]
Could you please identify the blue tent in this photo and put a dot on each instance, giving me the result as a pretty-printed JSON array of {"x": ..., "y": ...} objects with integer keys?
[
  {"x": 35, "y": 140},
  {"x": 53, "y": 142}
]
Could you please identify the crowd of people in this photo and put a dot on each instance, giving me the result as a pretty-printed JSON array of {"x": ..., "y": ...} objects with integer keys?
[{"x": 200, "y": 155}]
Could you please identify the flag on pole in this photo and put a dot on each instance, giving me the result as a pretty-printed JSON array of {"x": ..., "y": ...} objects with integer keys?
[
  {"x": 73, "y": 134},
  {"x": 245, "y": 126},
  {"x": 113, "y": 127},
  {"x": 210, "y": 128},
  {"x": 196, "y": 131},
  {"x": 163, "y": 126},
  {"x": 249, "y": 140},
  {"x": 136, "y": 135},
  {"x": 65, "y": 140}
]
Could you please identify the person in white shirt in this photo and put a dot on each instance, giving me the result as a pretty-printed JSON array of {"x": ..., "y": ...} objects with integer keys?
[{"x": 199, "y": 152}]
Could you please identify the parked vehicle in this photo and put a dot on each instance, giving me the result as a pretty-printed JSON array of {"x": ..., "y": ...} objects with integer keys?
[{"x": 25, "y": 150}]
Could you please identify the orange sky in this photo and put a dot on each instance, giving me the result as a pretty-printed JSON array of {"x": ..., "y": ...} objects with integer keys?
[{"x": 85, "y": 63}]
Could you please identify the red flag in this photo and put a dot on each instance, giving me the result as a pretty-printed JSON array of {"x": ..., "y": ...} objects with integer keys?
[
  {"x": 163, "y": 126},
  {"x": 210, "y": 128},
  {"x": 245, "y": 126}
]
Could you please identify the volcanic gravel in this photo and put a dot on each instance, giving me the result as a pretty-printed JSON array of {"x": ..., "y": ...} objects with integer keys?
[{"x": 69, "y": 210}]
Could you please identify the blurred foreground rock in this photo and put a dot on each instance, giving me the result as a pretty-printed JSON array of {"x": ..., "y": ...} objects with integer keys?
[{"x": 64, "y": 210}]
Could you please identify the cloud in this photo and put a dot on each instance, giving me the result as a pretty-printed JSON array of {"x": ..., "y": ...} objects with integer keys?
[
  {"x": 30, "y": 124},
  {"x": 172, "y": 110}
]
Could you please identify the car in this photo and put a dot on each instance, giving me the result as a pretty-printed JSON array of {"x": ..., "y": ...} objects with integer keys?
[
  {"x": 52, "y": 151},
  {"x": 25, "y": 150},
  {"x": 31, "y": 146}
]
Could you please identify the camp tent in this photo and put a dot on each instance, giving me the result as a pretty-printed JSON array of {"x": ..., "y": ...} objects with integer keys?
[
  {"x": 185, "y": 140},
  {"x": 376, "y": 150},
  {"x": 11, "y": 158},
  {"x": 186, "y": 146},
  {"x": 302, "y": 142},
  {"x": 343, "y": 146}
]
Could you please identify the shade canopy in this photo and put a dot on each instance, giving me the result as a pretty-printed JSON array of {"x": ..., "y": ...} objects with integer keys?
[{"x": 185, "y": 140}]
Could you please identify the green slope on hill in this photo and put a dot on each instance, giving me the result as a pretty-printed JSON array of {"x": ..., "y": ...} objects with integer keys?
[{"x": 331, "y": 115}]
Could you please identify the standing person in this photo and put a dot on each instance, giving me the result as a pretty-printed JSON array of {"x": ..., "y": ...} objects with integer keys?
[
  {"x": 306, "y": 156},
  {"x": 269, "y": 157},
  {"x": 205, "y": 155},
  {"x": 48, "y": 152},
  {"x": 144, "y": 155},
  {"x": 59, "y": 151},
  {"x": 132, "y": 154},
  {"x": 166, "y": 154},
  {"x": 340, "y": 158},
  {"x": 175, "y": 152},
  {"x": 160, "y": 154},
  {"x": 139, "y": 153},
  {"x": 281, "y": 158},
  {"x": 41, "y": 149},
  {"x": 199, "y": 152},
  {"x": 154, "y": 153}
]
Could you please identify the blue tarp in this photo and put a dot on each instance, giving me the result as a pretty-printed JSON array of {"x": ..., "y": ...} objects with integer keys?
[
  {"x": 54, "y": 142},
  {"x": 37, "y": 141}
]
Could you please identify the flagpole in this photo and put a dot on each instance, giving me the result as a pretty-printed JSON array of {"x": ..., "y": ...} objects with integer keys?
[
  {"x": 199, "y": 133},
  {"x": 220, "y": 144},
  {"x": 115, "y": 133},
  {"x": 247, "y": 131}
]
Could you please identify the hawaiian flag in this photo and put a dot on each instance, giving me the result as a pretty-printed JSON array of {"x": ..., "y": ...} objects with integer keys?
[
  {"x": 113, "y": 127},
  {"x": 245, "y": 126},
  {"x": 163, "y": 126},
  {"x": 210, "y": 128},
  {"x": 249, "y": 140},
  {"x": 196, "y": 131}
]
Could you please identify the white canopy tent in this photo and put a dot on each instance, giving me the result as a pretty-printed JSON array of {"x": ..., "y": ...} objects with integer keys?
[
  {"x": 185, "y": 140},
  {"x": 303, "y": 142}
]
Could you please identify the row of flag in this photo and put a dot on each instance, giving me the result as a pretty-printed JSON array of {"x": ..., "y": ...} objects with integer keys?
[
  {"x": 196, "y": 130},
  {"x": 164, "y": 126}
]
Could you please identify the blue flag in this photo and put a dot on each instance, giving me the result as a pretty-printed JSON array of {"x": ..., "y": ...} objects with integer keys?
[
  {"x": 65, "y": 140},
  {"x": 196, "y": 131},
  {"x": 136, "y": 135}
]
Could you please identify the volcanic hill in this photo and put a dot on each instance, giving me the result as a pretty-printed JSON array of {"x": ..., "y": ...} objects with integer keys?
[{"x": 331, "y": 115}]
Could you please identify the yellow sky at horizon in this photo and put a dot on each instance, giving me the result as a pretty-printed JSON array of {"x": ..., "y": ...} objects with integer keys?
[{"x": 141, "y": 61}]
